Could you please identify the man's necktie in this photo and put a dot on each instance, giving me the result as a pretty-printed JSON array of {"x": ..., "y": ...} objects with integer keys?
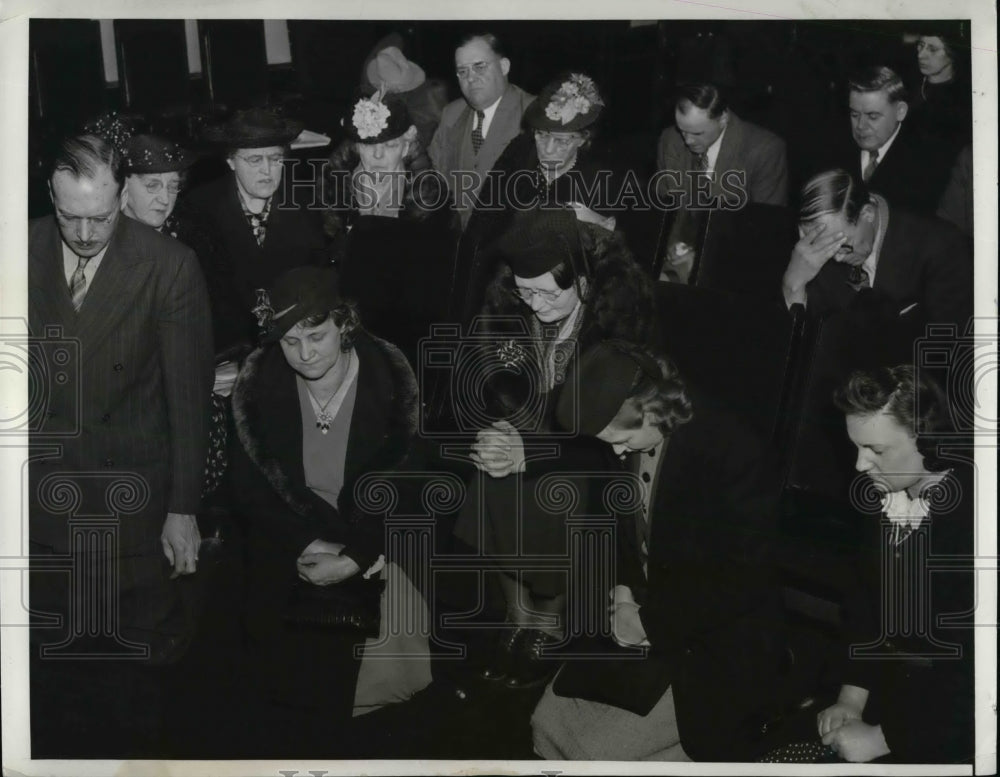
[
  {"x": 870, "y": 167},
  {"x": 477, "y": 132},
  {"x": 703, "y": 163},
  {"x": 857, "y": 277},
  {"x": 78, "y": 283}
]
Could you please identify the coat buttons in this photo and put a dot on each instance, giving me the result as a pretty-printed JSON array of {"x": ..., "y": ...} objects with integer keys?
[
  {"x": 645, "y": 477},
  {"x": 119, "y": 367}
]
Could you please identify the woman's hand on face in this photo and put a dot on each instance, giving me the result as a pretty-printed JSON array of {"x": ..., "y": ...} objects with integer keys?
[{"x": 326, "y": 568}]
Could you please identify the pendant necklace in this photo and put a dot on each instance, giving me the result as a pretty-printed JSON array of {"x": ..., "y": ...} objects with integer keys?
[{"x": 323, "y": 419}]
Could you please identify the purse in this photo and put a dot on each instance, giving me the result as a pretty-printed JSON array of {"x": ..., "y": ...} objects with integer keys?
[
  {"x": 623, "y": 681},
  {"x": 353, "y": 605}
]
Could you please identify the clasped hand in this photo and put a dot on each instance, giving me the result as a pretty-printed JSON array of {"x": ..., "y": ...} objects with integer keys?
[
  {"x": 498, "y": 450},
  {"x": 842, "y": 729},
  {"x": 321, "y": 563}
]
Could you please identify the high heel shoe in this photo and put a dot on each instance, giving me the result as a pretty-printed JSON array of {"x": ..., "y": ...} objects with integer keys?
[
  {"x": 532, "y": 667},
  {"x": 506, "y": 650}
]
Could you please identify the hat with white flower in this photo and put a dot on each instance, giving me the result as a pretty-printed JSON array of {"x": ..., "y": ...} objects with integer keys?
[
  {"x": 376, "y": 119},
  {"x": 570, "y": 103}
]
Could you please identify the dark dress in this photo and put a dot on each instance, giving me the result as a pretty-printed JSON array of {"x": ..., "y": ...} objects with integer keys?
[
  {"x": 518, "y": 519},
  {"x": 398, "y": 270},
  {"x": 918, "y": 671},
  {"x": 308, "y": 670},
  {"x": 294, "y": 237}
]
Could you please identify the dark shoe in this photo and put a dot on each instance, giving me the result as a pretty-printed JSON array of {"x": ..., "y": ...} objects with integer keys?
[
  {"x": 504, "y": 659},
  {"x": 531, "y": 667}
]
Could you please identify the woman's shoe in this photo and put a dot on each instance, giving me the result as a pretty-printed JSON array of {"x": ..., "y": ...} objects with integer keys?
[
  {"x": 531, "y": 667},
  {"x": 504, "y": 658}
]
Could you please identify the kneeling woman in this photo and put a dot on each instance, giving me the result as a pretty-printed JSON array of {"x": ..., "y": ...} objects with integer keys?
[{"x": 314, "y": 415}]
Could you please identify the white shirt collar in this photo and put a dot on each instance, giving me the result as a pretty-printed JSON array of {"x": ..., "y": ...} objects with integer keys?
[
  {"x": 882, "y": 150},
  {"x": 71, "y": 260},
  {"x": 713, "y": 150},
  {"x": 489, "y": 112}
]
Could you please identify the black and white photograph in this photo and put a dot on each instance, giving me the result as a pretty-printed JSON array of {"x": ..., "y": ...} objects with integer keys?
[{"x": 553, "y": 388}]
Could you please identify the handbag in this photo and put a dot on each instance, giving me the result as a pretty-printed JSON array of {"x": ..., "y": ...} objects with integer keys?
[
  {"x": 352, "y": 605},
  {"x": 616, "y": 677}
]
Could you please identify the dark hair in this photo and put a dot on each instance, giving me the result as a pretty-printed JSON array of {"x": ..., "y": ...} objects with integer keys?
[
  {"x": 879, "y": 78},
  {"x": 901, "y": 393},
  {"x": 488, "y": 38},
  {"x": 619, "y": 300},
  {"x": 345, "y": 316},
  {"x": 835, "y": 191},
  {"x": 707, "y": 97},
  {"x": 664, "y": 398},
  {"x": 84, "y": 155}
]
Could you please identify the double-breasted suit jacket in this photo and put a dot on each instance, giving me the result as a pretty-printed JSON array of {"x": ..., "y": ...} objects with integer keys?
[
  {"x": 451, "y": 147},
  {"x": 135, "y": 406}
]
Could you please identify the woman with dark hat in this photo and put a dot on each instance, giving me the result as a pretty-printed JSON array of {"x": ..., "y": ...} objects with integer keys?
[
  {"x": 156, "y": 170},
  {"x": 690, "y": 657},
  {"x": 318, "y": 406},
  {"x": 389, "y": 223},
  {"x": 263, "y": 225},
  {"x": 561, "y": 286}
]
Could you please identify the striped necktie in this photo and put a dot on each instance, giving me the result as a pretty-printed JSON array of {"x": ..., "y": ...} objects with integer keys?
[
  {"x": 477, "y": 132},
  {"x": 869, "y": 170},
  {"x": 78, "y": 283}
]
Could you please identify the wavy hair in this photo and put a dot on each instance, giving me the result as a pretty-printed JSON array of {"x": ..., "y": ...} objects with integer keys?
[
  {"x": 664, "y": 399},
  {"x": 912, "y": 400}
]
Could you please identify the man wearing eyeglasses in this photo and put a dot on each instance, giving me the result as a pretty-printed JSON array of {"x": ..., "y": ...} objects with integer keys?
[
  {"x": 265, "y": 223},
  {"x": 475, "y": 130}
]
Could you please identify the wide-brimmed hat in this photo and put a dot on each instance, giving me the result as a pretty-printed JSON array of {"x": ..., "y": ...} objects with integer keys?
[
  {"x": 391, "y": 71},
  {"x": 155, "y": 154},
  {"x": 539, "y": 240},
  {"x": 599, "y": 382},
  {"x": 376, "y": 119},
  {"x": 254, "y": 128},
  {"x": 295, "y": 295},
  {"x": 570, "y": 103}
]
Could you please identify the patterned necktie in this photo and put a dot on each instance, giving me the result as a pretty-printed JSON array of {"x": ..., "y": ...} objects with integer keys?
[
  {"x": 857, "y": 277},
  {"x": 257, "y": 221},
  {"x": 78, "y": 283},
  {"x": 477, "y": 132},
  {"x": 703, "y": 163},
  {"x": 870, "y": 167}
]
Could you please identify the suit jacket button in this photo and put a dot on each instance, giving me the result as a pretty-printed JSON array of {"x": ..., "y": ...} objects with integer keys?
[
  {"x": 119, "y": 367},
  {"x": 105, "y": 418},
  {"x": 109, "y": 463}
]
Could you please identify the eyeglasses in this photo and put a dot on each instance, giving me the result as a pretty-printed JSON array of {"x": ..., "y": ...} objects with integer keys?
[
  {"x": 155, "y": 187},
  {"x": 526, "y": 294},
  {"x": 561, "y": 142},
  {"x": 479, "y": 68},
  {"x": 257, "y": 160}
]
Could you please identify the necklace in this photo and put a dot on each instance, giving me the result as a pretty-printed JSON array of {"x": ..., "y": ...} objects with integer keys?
[{"x": 323, "y": 418}]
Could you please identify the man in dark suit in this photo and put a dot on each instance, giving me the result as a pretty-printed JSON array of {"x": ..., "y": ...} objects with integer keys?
[
  {"x": 476, "y": 129},
  {"x": 265, "y": 224},
  {"x": 887, "y": 155},
  {"x": 129, "y": 439},
  {"x": 877, "y": 249},
  {"x": 739, "y": 161}
]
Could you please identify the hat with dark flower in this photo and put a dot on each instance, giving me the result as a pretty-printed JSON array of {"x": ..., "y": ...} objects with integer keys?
[
  {"x": 155, "y": 154},
  {"x": 539, "y": 240},
  {"x": 254, "y": 128},
  {"x": 376, "y": 119},
  {"x": 297, "y": 294},
  {"x": 599, "y": 382},
  {"x": 570, "y": 103}
]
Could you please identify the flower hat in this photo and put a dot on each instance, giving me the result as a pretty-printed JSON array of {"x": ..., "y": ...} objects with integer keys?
[{"x": 567, "y": 104}]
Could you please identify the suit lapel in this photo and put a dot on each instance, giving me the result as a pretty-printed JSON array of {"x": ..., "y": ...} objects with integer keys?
[
  {"x": 124, "y": 270},
  {"x": 49, "y": 292},
  {"x": 466, "y": 157},
  {"x": 729, "y": 151},
  {"x": 506, "y": 124}
]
